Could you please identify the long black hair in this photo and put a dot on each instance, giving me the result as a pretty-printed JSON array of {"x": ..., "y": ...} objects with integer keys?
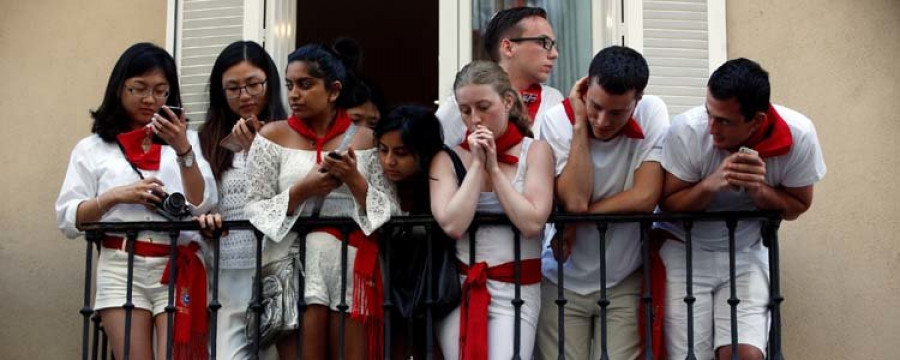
[
  {"x": 110, "y": 119},
  {"x": 422, "y": 135},
  {"x": 219, "y": 117}
]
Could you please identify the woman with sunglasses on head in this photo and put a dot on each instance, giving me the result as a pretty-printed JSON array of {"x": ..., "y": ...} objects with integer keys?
[
  {"x": 506, "y": 173},
  {"x": 121, "y": 174},
  {"x": 318, "y": 163},
  {"x": 244, "y": 94}
]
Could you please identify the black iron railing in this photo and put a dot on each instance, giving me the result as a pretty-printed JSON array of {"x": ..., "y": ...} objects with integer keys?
[{"x": 94, "y": 341}]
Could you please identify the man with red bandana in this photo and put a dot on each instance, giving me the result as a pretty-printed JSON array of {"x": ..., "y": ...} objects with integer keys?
[
  {"x": 706, "y": 170},
  {"x": 522, "y": 42},
  {"x": 607, "y": 141}
]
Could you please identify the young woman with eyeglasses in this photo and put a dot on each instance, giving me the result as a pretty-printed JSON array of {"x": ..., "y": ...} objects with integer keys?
[
  {"x": 119, "y": 174},
  {"x": 244, "y": 91}
]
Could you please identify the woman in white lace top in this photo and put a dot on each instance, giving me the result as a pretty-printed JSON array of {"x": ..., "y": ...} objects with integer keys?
[
  {"x": 291, "y": 165},
  {"x": 507, "y": 174},
  {"x": 244, "y": 91}
]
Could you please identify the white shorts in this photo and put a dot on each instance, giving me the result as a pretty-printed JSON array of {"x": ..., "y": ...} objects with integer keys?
[
  {"x": 323, "y": 271},
  {"x": 712, "y": 289},
  {"x": 147, "y": 293}
]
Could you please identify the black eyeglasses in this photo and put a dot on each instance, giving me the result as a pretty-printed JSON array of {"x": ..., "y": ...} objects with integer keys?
[
  {"x": 546, "y": 42},
  {"x": 252, "y": 89}
]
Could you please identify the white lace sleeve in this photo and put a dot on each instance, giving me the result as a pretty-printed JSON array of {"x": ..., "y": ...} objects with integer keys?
[
  {"x": 381, "y": 198},
  {"x": 266, "y": 207}
]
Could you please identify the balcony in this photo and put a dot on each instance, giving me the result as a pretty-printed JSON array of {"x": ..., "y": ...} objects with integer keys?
[{"x": 94, "y": 342}]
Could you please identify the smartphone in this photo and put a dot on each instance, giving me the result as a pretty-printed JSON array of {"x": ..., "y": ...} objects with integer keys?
[
  {"x": 162, "y": 112},
  {"x": 747, "y": 150},
  {"x": 231, "y": 144}
]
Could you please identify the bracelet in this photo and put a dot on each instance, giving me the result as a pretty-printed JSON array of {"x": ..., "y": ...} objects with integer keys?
[
  {"x": 190, "y": 148},
  {"x": 99, "y": 204}
]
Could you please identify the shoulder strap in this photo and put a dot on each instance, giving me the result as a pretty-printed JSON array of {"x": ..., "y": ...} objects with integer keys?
[{"x": 457, "y": 165}]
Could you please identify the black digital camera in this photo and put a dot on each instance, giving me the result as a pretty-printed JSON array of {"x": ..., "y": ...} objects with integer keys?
[{"x": 173, "y": 207}]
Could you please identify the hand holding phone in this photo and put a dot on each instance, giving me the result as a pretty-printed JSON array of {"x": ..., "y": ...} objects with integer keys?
[
  {"x": 234, "y": 142},
  {"x": 162, "y": 112}
]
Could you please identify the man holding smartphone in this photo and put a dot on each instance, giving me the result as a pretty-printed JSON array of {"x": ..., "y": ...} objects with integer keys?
[{"x": 707, "y": 170}]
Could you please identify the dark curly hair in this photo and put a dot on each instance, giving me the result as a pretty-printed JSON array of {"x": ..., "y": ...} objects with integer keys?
[{"x": 421, "y": 133}]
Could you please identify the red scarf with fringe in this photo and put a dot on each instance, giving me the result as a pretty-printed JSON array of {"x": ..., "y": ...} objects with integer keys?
[
  {"x": 473, "y": 316},
  {"x": 510, "y": 138},
  {"x": 189, "y": 340},
  {"x": 338, "y": 126},
  {"x": 368, "y": 287},
  {"x": 631, "y": 130},
  {"x": 772, "y": 137},
  {"x": 139, "y": 149}
]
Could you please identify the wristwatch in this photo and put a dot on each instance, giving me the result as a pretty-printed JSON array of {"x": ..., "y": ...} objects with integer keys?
[{"x": 186, "y": 160}]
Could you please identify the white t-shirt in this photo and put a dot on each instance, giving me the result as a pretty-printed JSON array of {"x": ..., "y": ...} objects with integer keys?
[
  {"x": 455, "y": 130},
  {"x": 689, "y": 155},
  {"x": 96, "y": 166},
  {"x": 614, "y": 163}
]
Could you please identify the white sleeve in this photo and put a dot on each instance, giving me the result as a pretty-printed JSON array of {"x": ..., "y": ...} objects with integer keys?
[
  {"x": 451, "y": 122},
  {"x": 557, "y": 131},
  {"x": 677, "y": 154},
  {"x": 210, "y": 189},
  {"x": 266, "y": 208},
  {"x": 656, "y": 123},
  {"x": 381, "y": 196},
  {"x": 79, "y": 185},
  {"x": 806, "y": 165}
]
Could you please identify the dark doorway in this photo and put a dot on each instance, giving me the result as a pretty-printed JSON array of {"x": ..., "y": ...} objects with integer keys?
[{"x": 398, "y": 40}]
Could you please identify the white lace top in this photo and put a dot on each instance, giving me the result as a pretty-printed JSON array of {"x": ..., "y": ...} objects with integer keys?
[
  {"x": 272, "y": 169},
  {"x": 238, "y": 249}
]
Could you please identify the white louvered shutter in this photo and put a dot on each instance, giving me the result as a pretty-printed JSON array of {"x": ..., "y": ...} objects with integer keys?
[
  {"x": 683, "y": 42},
  {"x": 205, "y": 27}
]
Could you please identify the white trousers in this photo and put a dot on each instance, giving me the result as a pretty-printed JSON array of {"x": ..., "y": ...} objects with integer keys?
[
  {"x": 235, "y": 288},
  {"x": 501, "y": 323}
]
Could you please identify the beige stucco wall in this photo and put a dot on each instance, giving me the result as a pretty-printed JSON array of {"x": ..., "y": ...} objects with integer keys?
[
  {"x": 838, "y": 62},
  {"x": 55, "y": 60}
]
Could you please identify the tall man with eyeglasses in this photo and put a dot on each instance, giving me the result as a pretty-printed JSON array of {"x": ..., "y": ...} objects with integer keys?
[
  {"x": 522, "y": 42},
  {"x": 607, "y": 142}
]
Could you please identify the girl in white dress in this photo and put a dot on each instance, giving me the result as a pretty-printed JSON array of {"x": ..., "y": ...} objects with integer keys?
[
  {"x": 291, "y": 165},
  {"x": 244, "y": 92}
]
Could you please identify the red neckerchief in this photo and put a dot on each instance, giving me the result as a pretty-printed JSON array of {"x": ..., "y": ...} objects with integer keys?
[
  {"x": 510, "y": 138},
  {"x": 368, "y": 287},
  {"x": 340, "y": 124},
  {"x": 631, "y": 130},
  {"x": 473, "y": 317},
  {"x": 531, "y": 97},
  {"x": 772, "y": 137},
  {"x": 139, "y": 149}
]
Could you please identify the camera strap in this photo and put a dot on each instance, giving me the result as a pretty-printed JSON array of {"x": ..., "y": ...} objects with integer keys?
[{"x": 125, "y": 155}]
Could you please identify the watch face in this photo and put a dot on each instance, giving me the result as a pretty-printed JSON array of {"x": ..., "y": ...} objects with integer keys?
[{"x": 187, "y": 160}]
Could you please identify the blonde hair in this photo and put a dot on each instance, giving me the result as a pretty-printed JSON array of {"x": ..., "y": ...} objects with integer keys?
[{"x": 489, "y": 73}]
